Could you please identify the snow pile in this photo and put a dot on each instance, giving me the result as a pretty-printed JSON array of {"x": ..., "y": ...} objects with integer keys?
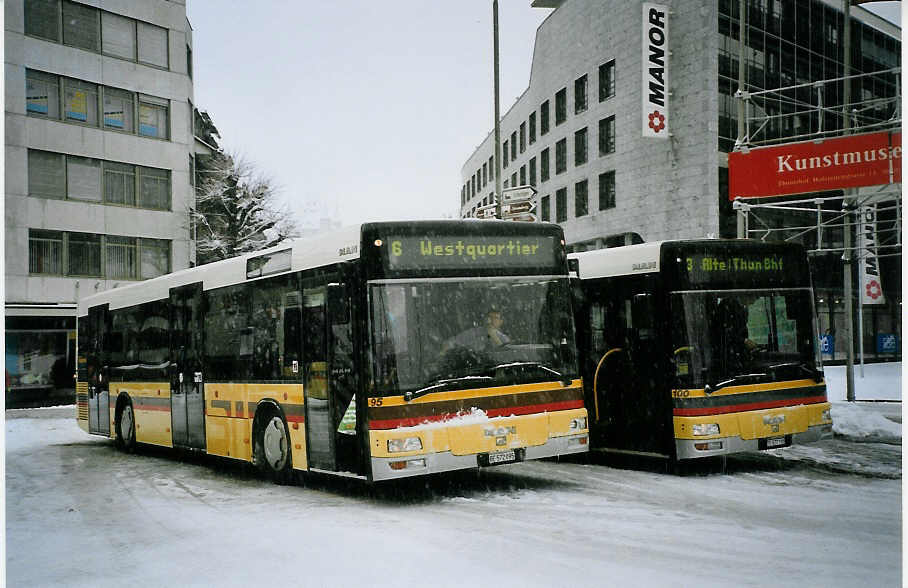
[
  {"x": 876, "y": 381},
  {"x": 474, "y": 417},
  {"x": 861, "y": 422}
]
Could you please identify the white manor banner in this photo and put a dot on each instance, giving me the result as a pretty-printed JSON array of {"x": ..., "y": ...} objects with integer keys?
[{"x": 655, "y": 71}]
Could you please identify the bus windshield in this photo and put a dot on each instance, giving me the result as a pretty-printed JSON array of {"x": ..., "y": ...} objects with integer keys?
[
  {"x": 429, "y": 335},
  {"x": 725, "y": 338}
]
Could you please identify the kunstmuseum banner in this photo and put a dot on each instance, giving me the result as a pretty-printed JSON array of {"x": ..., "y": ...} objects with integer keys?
[{"x": 853, "y": 161}]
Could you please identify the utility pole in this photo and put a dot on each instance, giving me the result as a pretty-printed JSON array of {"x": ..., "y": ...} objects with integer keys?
[
  {"x": 847, "y": 206},
  {"x": 497, "y": 113}
]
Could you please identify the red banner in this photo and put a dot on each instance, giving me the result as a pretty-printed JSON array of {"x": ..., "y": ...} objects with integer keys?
[{"x": 815, "y": 166}]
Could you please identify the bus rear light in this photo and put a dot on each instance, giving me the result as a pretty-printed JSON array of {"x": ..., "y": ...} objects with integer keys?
[
  {"x": 703, "y": 429},
  {"x": 404, "y": 444},
  {"x": 713, "y": 445}
]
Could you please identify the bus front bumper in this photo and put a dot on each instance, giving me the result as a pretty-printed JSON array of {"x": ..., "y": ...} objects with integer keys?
[
  {"x": 391, "y": 468},
  {"x": 695, "y": 448}
]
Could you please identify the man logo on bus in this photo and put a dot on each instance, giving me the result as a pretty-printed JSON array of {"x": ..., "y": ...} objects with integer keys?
[
  {"x": 656, "y": 121},
  {"x": 873, "y": 290}
]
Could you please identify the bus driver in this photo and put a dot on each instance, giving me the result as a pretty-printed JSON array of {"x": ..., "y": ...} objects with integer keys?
[{"x": 483, "y": 337}]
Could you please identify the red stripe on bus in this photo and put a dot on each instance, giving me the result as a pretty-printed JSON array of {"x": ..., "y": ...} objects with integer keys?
[
  {"x": 295, "y": 418},
  {"x": 493, "y": 412},
  {"x": 713, "y": 410},
  {"x": 140, "y": 406}
]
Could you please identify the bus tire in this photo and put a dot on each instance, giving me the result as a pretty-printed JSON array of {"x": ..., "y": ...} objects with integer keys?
[
  {"x": 125, "y": 425},
  {"x": 271, "y": 453}
]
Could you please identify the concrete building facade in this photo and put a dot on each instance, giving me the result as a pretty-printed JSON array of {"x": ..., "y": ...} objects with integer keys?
[
  {"x": 99, "y": 157},
  {"x": 579, "y": 132}
]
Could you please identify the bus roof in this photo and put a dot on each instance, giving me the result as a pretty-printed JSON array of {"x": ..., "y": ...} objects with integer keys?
[
  {"x": 619, "y": 261},
  {"x": 306, "y": 252},
  {"x": 647, "y": 257}
]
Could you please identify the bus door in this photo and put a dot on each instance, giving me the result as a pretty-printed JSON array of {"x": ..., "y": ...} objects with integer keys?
[
  {"x": 98, "y": 372},
  {"x": 342, "y": 378},
  {"x": 319, "y": 432},
  {"x": 187, "y": 402}
]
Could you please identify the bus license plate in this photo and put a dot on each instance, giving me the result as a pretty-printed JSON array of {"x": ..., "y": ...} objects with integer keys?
[
  {"x": 502, "y": 457},
  {"x": 775, "y": 442}
]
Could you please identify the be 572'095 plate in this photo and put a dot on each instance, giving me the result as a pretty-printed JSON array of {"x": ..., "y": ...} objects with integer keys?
[{"x": 500, "y": 457}]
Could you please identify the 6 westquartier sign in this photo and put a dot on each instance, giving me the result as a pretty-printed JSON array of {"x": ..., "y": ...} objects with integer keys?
[{"x": 869, "y": 159}]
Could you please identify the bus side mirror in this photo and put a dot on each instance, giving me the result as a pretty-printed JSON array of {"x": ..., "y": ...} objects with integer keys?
[{"x": 338, "y": 307}]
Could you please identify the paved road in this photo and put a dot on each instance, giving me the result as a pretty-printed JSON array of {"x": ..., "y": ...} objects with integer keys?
[{"x": 80, "y": 513}]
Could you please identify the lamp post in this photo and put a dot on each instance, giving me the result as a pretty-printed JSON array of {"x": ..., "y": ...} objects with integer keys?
[{"x": 497, "y": 112}]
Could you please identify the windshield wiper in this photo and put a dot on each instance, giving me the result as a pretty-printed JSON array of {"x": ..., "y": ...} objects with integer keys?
[
  {"x": 739, "y": 379},
  {"x": 441, "y": 385},
  {"x": 565, "y": 381},
  {"x": 815, "y": 374}
]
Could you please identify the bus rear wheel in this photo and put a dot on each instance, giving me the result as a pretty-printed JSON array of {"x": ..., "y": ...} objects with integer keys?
[
  {"x": 272, "y": 449},
  {"x": 126, "y": 427}
]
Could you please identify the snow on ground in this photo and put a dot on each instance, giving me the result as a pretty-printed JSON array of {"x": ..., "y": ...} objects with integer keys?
[{"x": 881, "y": 381}]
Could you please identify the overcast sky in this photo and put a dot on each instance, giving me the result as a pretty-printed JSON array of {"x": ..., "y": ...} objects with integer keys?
[{"x": 362, "y": 110}]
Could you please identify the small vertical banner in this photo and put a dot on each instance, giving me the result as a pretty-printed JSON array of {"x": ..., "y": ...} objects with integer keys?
[
  {"x": 655, "y": 71},
  {"x": 871, "y": 285}
]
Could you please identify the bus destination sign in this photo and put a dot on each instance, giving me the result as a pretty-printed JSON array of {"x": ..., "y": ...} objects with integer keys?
[
  {"x": 451, "y": 252},
  {"x": 711, "y": 268}
]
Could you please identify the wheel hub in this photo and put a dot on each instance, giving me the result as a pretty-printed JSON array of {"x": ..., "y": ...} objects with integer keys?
[{"x": 274, "y": 442}]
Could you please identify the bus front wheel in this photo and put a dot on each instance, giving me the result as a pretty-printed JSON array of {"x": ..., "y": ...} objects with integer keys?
[{"x": 272, "y": 449}]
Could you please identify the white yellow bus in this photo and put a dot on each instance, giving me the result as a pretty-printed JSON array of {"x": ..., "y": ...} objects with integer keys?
[
  {"x": 702, "y": 348},
  {"x": 340, "y": 353}
]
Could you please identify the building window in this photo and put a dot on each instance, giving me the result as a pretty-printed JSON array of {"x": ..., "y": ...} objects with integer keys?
[
  {"x": 544, "y": 165},
  {"x": 83, "y": 179},
  {"x": 533, "y": 171},
  {"x": 485, "y": 177},
  {"x": 523, "y": 137},
  {"x": 580, "y": 150},
  {"x": 57, "y": 176},
  {"x": 607, "y": 190},
  {"x": 153, "y": 117},
  {"x": 42, "y": 19},
  {"x": 152, "y": 44},
  {"x": 83, "y": 254},
  {"x": 514, "y": 179},
  {"x": 514, "y": 145},
  {"x": 580, "y": 102},
  {"x": 99, "y": 31},
  {"x": 581, "y": 199},
  {"x": 121, "y": 254},
  {"x": 119, "y": 183},
  {"x": 506, "y": 184},
  {"x": 119, "y": 110},
  {"x": 561, "y": 205},
  {"x": 45, "y": 252},
  {"x": 532, "y": 125},
  {"x": 46, "y": 175},
  {"x": 504, "y": 153},
  {"x": 492, "y": 170},
  {"x": 42, "y": 94},
  {"x": 119, "y": 38},
  {"x": 607, "y": 135},
  {"x": 81, "y": 26},
  {"x": 80, "y": 102},
  {"x": 546, "y": 208},
  {"x": 544, "y": 118},
  {"x": 560, "y": 106},
  {"x": 189, "y": 61},
  {"x": 523, "y": 175},
  {"x": 561, "y": 156},
  {"x": 154, "y": 255},
  {"x": 606, "y": 80}
]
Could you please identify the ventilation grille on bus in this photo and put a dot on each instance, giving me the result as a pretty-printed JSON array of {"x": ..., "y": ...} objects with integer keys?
[{"x": 82, "y": 401}]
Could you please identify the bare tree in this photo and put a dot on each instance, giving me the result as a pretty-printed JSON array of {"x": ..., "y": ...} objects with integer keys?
[{"x": 236, "y": 210}]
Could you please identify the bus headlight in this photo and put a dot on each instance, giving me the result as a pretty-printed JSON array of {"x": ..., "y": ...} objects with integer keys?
[
  {"x": 404, "y": 444},
  {"x": 703, "y": 429},
  {"x": 826, "y": 417},
  {"x": 578, "y": 424}
]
